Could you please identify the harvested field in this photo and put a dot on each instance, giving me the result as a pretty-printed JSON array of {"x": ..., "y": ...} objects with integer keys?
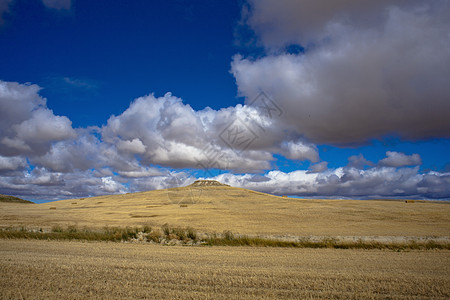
[{"x": 76, "y": 270}]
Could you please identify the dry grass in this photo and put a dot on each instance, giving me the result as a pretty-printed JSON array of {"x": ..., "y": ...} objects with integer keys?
[
  {"x": 75, "y": 270},
  {"x": 188, "y": 236},
  {"x": 215, "y": 209}
]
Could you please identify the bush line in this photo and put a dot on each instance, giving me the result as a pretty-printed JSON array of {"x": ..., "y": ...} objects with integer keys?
[{"x": 188, "y": 235}]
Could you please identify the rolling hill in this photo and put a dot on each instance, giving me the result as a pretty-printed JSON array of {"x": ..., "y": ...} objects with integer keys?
[{"x": 210, "y": 206}]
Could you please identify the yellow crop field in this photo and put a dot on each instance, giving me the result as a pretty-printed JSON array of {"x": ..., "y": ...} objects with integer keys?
[
  {"x": 77, "y": 270},
  {"x": 219, "y": 208}
]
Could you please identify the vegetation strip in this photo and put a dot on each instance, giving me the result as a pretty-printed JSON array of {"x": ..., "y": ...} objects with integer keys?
[
  {"x": 188, "y": 236},
  {"x": 12, "y": 199}
]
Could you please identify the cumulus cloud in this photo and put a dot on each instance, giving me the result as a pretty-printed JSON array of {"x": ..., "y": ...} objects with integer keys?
[
  {"x": 319, "y": 182},
  {"x": 43, "y": 184},
  {"x": 358, "y": 162},
  {"x": 153, "y": 131},
  {"x": 376, "y": 182},
  {"x": 397, "y": 159},
  {"x": 12, "y": 163},
  {"x": 319, "y": 167},
  {"x": 111, "y": 186},
  {"x": 137, "y": 146},
  {"x": 27, "y": 126},
  {"x": 165, "y": 131},
  {"x": 300, "y": 151},
  {"x": 131, "y": 151},
  {"x": 84, "y": 152},
  {"x": 360, "y": 79},
  {"x": 134, "y": 146}
]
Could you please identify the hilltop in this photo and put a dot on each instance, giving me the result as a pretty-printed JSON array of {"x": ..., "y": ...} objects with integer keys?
[
  {"x": 203, "y": 183},
  {"x": 12, "y": 199}
]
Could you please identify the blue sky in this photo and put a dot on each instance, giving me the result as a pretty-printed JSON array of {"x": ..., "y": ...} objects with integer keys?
[
  {"x": 103, "y": 55},
  {"x": 101, "y": 97}
]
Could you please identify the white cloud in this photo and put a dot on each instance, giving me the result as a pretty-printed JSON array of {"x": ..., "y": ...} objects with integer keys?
[
  {"x": 134, "y": 146},
  {"x": 44, "y": 126},
  {"x": 109, "y": 185},
  {"x": 12, "y": 163},
  {"x": 27, "y": 126},
  {"x": 43, "y": 157},
  {"x": 358, "y": 161},
  {"x": 300, "y": 151},
  {"x": 319, "y": 167},
  {"x": 166, "y": 132},
  {"x": 397, "y": 159},
  {"x": 82, "y": 153},
  {"x": 375, "y": 182},
  {"x": 144, "y": 172}
]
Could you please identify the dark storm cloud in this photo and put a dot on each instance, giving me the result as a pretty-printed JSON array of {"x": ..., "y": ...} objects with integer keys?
[{"x": 360, "y": 80}]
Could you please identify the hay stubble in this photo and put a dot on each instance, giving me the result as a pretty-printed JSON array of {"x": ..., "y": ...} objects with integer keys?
[{"x": 54, "y": 269}]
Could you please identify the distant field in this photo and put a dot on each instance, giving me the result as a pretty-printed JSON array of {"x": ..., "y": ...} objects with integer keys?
[
  {"x": 76, "y": 270},
  {"x": 215, "y": 209}
]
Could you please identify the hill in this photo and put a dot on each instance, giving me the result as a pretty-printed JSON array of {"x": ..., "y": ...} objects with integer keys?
[
  {"x": 214, "y": 207},
  {"x": 12, "y": 199}
]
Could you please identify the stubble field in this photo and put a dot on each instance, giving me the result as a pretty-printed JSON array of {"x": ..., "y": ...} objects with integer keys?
[{"x": 54, "y": 270}]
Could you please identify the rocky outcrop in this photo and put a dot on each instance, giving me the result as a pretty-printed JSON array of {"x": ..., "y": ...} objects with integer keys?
[{"x": 202, "y": 183}]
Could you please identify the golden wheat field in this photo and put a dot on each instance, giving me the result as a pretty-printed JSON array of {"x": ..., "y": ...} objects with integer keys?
[
  {"x": 219, "y": 208},
  {"x": 77, "y": 270}
]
